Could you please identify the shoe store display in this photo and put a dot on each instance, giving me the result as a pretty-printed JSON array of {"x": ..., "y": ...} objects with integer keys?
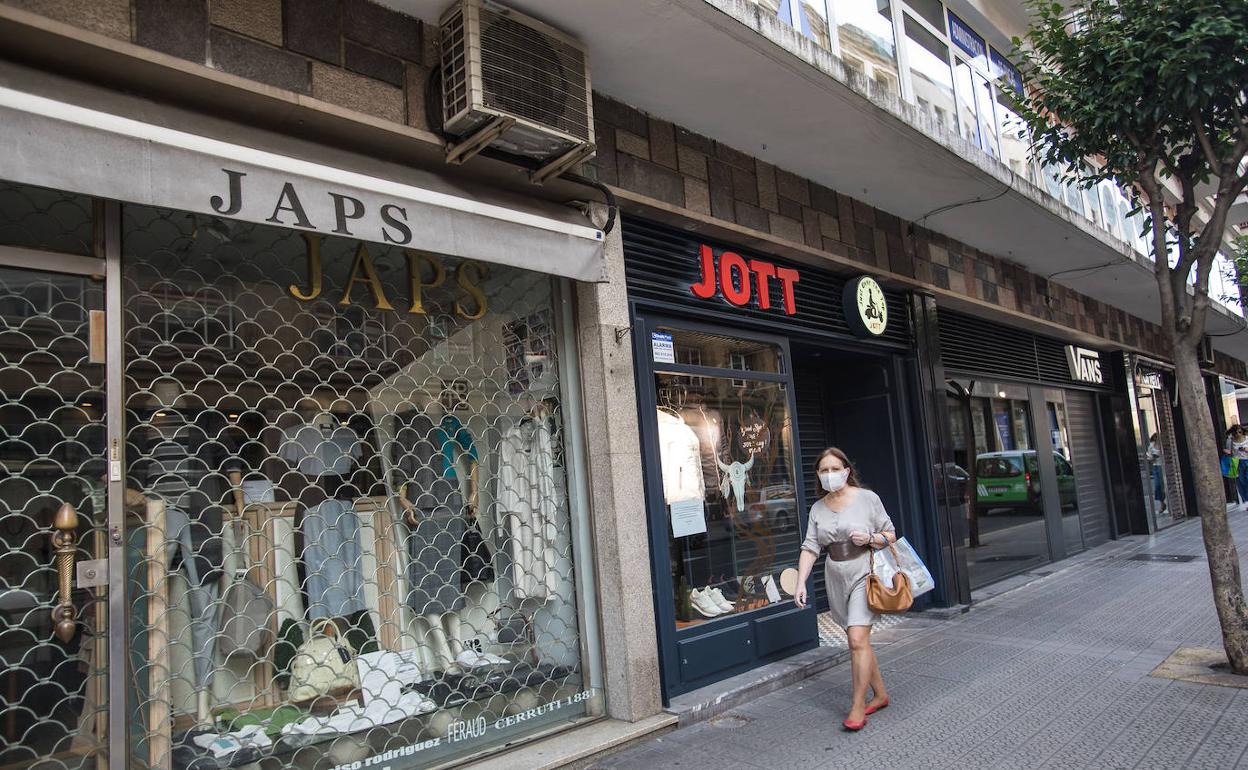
[
  {"x": 704, "y": 604},
  {"x": 717, "y": 597}
]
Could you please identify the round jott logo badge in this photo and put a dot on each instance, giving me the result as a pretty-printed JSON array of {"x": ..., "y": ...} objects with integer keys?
[{"x": 866, "y": 310}]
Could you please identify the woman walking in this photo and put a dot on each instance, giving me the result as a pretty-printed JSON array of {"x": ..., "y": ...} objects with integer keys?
[{"x": 845, "y": 523}]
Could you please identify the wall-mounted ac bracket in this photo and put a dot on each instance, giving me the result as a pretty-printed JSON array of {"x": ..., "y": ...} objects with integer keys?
[
  {"x": 474, "y": 143},
  {"x": 561, "y": 164}
]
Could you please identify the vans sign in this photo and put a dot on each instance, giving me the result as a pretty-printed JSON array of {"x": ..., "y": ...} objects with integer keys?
[{"x": 1085, "y": 365}]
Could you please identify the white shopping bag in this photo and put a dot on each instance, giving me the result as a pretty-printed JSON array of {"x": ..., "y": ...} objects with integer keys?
[
  {"x": 909, "y": 562},
  {"x": 884, "y": 566}
]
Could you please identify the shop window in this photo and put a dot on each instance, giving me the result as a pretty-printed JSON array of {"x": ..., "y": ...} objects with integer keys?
[
  {"x": 728, "y": 478},
  {"x": 865, "y": 33},
  {"x": 1003, "y": 529},
  {"x": 349, "y": 516},
  {"x": 930, "y": 74}
]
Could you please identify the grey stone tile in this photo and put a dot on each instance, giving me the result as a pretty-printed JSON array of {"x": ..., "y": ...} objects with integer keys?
[
  {"x": 378, "y": 66},
  {"x": 256, "y": 61},
  {"x": 176, "y": 27},
  {"x": 313, "y": 28},
  {"x": 382, "y": 28}
]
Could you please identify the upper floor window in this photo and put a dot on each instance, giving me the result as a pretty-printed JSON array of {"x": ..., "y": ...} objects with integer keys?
[
  {"x": 930, "y": 77},
  {"x": 864, "y": 31}
]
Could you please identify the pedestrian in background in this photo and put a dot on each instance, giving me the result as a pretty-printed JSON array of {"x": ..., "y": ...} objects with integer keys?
[
  {"x": 1237, "y": 447},
  {"x": 846, "y": 523},
  {"x": 1156, "y": 461}
]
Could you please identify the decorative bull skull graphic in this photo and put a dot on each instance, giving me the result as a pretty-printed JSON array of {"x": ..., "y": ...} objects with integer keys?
[{"x": 734, "y": 475}]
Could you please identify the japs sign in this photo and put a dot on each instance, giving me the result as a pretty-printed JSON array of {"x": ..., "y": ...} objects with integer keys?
[{"x": 1085, "y": 365}]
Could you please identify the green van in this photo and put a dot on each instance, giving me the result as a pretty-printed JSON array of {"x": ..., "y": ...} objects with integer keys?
[{"x": 1011, "y": 480}]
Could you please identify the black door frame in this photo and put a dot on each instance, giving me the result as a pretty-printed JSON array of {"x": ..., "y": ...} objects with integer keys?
[{"x": 644, "y": 321}]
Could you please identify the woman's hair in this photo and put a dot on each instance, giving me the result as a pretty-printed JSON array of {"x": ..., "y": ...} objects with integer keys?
[
  {"x": 1154, "y": 437},
  {"x": 1233, "y": 430},
  {"x": 832, "y": 451}
]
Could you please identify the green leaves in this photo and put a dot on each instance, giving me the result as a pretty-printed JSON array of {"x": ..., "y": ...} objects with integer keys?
[{"x": 1132, "y": 84}]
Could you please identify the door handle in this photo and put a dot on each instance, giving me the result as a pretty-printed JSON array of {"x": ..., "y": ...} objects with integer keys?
[{"x": 64, "y": 546}]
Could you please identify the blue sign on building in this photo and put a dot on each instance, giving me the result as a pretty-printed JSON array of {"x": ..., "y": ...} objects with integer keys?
[
  {"x": 1002, "y": 68},
  {"x": 966, "y": 39}
]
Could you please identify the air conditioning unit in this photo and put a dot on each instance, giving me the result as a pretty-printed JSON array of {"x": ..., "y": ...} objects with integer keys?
[
  {"x": 1204, "y": 352},
  {"x": 515, "y": 84}
]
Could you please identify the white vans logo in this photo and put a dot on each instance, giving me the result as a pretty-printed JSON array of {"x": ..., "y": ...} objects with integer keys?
[{"x": 1085, "y": 365}]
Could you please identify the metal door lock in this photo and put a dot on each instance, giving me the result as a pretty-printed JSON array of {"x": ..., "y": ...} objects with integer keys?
[
  {"x": 114, "y": 534},
  {"x": 93, "y": 573}
]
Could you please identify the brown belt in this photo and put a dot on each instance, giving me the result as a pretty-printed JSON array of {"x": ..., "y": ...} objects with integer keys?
[{"x": 844, "y": 551}]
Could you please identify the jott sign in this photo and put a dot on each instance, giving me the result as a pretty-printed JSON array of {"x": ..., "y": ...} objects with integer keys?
[{"x": 739, "y": 280}]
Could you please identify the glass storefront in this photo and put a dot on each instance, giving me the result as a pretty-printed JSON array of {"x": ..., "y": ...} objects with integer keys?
[
  {"x": 728, "y": 477},
  {"x": 1005, "y": 530},
  {"x": 348, "y": 526}
]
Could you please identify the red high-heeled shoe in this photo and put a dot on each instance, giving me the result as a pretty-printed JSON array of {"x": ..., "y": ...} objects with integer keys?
[
  {"x": 873, "y": 709},
  {"x": 854, "y": 727}
]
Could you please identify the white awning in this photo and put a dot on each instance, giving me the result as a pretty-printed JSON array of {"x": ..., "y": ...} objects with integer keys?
[{"x": 66, "y": 146}]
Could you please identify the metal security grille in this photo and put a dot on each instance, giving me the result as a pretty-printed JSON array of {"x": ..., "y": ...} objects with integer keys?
[
  {"x": 349, "y": 526},
  {"x": 1087, "y": 456},
  {"x": 52, "y": 637}
]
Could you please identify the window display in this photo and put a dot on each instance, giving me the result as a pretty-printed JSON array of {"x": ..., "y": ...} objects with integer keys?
[
  {"x": 349, "y": 527},
  {"x": 728, "y": 477}
]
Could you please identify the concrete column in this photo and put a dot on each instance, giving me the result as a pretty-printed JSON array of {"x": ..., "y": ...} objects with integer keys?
[{"x": 621, "y": 546}]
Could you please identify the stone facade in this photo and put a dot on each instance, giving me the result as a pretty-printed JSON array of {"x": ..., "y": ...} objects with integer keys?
[
  {"x": 367, "y": 58},
  {"x": 635, "y": 152},
  {"x": 350, "y": 53}
]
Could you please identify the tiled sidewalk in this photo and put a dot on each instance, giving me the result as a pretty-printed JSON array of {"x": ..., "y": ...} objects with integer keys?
[{"x": 1054, "y": 674}]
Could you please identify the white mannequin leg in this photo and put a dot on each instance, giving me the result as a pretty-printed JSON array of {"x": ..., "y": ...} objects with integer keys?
[
  {"x": 438, "y": 645},
  {"x": 203, "y": 712},
  {"x": 453, "y": 625}
]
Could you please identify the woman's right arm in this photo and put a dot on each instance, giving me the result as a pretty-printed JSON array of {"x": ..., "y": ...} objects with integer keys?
[{"x": 805, "y": 563}]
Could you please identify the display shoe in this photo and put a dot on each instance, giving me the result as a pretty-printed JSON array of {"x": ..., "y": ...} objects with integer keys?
[
  {"x": 704, "y": 604},
  {"x": 717, "y": 596}
]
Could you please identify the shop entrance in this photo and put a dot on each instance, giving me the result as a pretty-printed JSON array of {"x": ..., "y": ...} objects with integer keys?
[
  {"x": 853, "y": 400},
  {"x": 53, "y": 434}
]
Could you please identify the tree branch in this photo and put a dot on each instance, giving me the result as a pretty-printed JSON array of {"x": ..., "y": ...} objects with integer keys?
[
  {"x": 1205, "y": 145},
  {"x": 1240, "y": 123}
]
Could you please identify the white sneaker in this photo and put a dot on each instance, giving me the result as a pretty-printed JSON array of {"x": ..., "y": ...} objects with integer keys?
[
  {"x": 717, "y": 596},
  {"x": 703, "y": 604}
]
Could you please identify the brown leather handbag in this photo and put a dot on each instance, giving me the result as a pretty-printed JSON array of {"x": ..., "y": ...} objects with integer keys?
[{"x": 882, "y": 598}]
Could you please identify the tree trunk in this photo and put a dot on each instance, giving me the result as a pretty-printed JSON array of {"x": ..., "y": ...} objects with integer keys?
[{"x": 1224, "y": 572}]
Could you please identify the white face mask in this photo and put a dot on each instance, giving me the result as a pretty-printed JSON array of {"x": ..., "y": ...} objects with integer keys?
[{"x": 833, "y": 481}]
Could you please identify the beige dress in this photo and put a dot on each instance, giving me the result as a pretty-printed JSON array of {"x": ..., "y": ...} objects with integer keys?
[{"x": 846, "y": 581}]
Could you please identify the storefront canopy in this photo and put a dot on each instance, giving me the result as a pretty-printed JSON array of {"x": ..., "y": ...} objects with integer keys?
[{"x": 54, "y": 143}]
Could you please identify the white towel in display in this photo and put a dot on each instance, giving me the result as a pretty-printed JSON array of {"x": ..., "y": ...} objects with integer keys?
[{"x": 528, "y": 500}]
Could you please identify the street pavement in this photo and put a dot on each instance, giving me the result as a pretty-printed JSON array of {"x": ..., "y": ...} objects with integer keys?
[{"x": 1051, "y": 674}]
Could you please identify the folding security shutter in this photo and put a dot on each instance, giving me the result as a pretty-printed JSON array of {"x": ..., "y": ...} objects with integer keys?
[
  {"x": 813, "y": 435},
  {"x": 1090, "y": 488}
]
